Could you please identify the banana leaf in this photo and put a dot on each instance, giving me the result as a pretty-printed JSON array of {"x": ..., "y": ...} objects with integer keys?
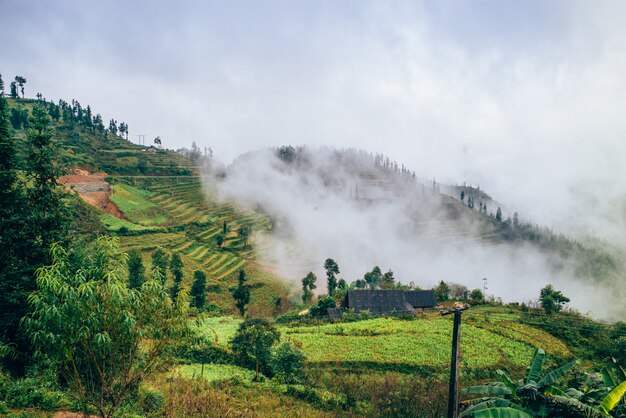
[
  {"x": 501, "y": 413},
  {"x": 555, "y": 375},
  {"x": 535, "y": 367},
  {"x": 606, "y": 376},
  {"x": 506, "y": 380},
  {"x": 575, "y": 404},
  {"x": 612, "y": 399},
  {"x": 492, "y": 403},
  {"x": 498, "y": 389}
]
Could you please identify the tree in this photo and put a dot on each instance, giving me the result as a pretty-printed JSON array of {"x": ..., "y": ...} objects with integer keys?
[
  {"x": 219, "y": 240},
  {"x": 244, "y": 232},
  {"x": 551, "y": 299},
  {"x": 287, "y": 364},
  {"x": 252, "y": 345},
  {"x": 160, "y": 260},
  {"x": 321, "y": 307},
  {"x": 176, "y": 268},
  {"x": 499, "y": 214},
  {"x": 308, "y": 284},
  {"x": 388, "y": 281},
  {"x": 241, "y": 293},
  {"x": 136, "y": 270},
  {"x": 34, "y": 214},
  {"x": 14, "y": 94},
  {"x": 332, "y": 269},
  {"x": 359, "y": 284},
  {"x": 15, "y": 283},
  {"x": 373, "y": 278},
  {"x": 20, "y": 82},
  {"x": 198, "y": 288},
  {"x": 113, "y": 126},
  {"x": 477, "y": 296},
  {"x": 104, "y": 337},
  {"x": 50, "y": 213},
  {"x": 442, "y": 291}
]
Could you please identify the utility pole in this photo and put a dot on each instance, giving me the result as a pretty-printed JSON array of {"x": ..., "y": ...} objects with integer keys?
[
  {"x": 141, "y": 139},
  {"x": 453, "y": 392}
]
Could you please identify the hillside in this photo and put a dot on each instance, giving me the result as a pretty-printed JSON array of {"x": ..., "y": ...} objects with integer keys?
[
  {"x": 226, "y": 221},
  {"x": 155, "y": 200}
]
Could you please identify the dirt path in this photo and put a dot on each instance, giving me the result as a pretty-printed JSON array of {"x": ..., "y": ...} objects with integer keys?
[{"x": 93, "y": 189}]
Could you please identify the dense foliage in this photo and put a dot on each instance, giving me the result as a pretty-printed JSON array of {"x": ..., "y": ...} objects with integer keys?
[{"x": 104, "y": 337}]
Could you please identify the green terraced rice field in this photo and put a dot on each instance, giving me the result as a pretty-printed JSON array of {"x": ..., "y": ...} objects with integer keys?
[{"x": 422, "y": 342}]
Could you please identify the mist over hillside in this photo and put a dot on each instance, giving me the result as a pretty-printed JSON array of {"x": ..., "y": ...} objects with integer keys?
[{"x": 364, "y": 211}]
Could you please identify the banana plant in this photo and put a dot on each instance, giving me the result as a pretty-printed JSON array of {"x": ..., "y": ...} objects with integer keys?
[{"x": 534, "y": 395}]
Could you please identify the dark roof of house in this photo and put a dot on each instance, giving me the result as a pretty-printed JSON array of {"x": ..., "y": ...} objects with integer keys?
[
  {"x": 387, "y": 301},
  {"x": 421, "y": 298},
  {"x": 334, "y": 313},
  {"x": 378, "y": 301}
]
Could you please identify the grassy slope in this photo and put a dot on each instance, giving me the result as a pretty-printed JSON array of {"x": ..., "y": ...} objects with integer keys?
[{"x": 423, "y": 342}]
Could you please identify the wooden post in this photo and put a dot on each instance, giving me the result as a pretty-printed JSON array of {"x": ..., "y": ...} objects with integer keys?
[{"x": 453, "y": 393}]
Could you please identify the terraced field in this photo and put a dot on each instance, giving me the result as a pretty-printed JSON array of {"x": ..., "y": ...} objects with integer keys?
[
  {"x": 174, "y": 213},
  {"x": 422, "y": 342}
]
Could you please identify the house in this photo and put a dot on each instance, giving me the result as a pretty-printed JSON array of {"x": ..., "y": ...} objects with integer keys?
[
  {"x": 386, "y": 302},
  {"x": 151, "y": 149}
]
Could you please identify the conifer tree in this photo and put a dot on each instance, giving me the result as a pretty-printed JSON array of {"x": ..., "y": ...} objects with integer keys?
[
  {"x": 241, "y": 293},
  {"x": 50, "y": 214},
  {"x": 34, "y": 215},
  {"x": 135, "y": 269},
  {"x": 198, "y": 288},
  {"x": 14, "y": 94},
  {"x": 176, "y": 267}
]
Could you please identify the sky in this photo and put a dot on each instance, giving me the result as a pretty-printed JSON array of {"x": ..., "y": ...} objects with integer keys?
[{"x": 524, "y": 98}]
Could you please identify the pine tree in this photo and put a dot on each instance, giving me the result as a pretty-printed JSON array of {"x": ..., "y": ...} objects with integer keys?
[
  {"x": 198, "y": 289},
  {"x": 50, "y": 214},
  {"x": 136, "y": 269},
  {"x": 176, "y": 267},
  {"x": 14, "y": 94},
  {"x": 241, "y": 293},
  {"x": 33, "y": 213},
  {"x": 499, "y": 214}
]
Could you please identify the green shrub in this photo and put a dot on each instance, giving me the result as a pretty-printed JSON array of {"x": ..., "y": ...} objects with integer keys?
[
  {"x": 287, "y": 364},
  {"x": 288, "y": 317},
  {"x": 31, "y": 392},
  {"x": 150, "y": 400}
]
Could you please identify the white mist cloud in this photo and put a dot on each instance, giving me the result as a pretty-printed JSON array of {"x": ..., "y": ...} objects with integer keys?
[{"x": 408, "y": 229}]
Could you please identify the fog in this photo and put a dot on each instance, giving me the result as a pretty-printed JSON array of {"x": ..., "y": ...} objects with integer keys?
[
  {"x": 342, "y": 208},
  {"x": 524, "y": 98}
]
